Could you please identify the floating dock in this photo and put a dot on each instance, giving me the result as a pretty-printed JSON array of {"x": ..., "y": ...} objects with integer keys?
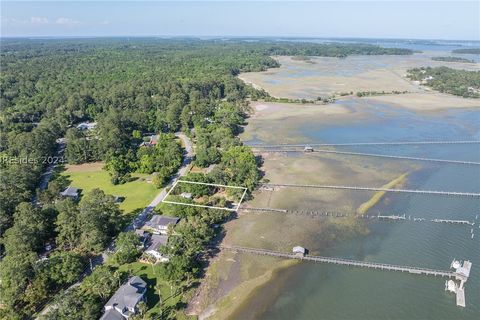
[{"x": 463, "y": 272}]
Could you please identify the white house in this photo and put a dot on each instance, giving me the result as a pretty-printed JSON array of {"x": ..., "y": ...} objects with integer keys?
[
  {"x": 156, "y": 242},
  {"x": 159, "y": 224}
]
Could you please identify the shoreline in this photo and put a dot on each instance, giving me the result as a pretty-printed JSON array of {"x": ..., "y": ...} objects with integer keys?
[
  {"x": 233, "y": 285},
  {"x": 296, "y": 79}
]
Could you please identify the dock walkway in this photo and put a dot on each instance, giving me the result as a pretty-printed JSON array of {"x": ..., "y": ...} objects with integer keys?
[
  {"x": 360, "y": 188},
  {"x": 347, "y": 262},
  {"x": 377, "y": 155},
  {"x": 398, "y": 143}
]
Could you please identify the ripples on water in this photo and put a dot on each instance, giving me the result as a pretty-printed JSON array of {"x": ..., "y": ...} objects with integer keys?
[{"x": 314, "y": 291}]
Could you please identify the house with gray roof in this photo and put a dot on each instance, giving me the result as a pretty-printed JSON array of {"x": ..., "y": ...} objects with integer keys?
[
  {"x": 125, "y": 300},
  {"x": 156, "y": 242},
  {"x": 159, "y": 224}
]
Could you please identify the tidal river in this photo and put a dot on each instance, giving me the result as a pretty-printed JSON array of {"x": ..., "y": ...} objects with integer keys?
[{"x": 316, "y": 291}]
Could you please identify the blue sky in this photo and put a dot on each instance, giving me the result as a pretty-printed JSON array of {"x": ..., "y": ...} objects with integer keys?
[{"x": 375, "y": 19}]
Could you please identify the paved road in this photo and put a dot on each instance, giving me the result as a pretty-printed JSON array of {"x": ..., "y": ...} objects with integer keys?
[
  {"x": 141, "y": 218},
  {"x": 45, "y": 179},
  {"x": 187, "y": 159}
]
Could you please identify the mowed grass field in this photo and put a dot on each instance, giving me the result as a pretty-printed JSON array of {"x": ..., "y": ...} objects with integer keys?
[{"x": 138, "y": 193}]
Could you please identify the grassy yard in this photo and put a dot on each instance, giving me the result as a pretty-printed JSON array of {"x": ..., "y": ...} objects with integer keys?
[
  {"x": 169, "y": 299},
  {"x": 137, "y": 193}
]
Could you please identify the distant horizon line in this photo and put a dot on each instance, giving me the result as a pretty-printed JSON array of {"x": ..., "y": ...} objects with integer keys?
[{"x": 230, "y": 36}]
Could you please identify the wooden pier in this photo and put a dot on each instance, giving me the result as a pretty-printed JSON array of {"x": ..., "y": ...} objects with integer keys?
[
  {"x": 369, "y": 155},
  {"x": 359, "y": 188},
  {"x": 347, "y": 262},
  {"x": 398, "y": 143}
]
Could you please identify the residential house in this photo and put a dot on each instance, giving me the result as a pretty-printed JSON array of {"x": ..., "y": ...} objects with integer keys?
[
  {"x": 143, "y": 236},
  {"x": 155, "y": 243},
  {"x": 87, "y": 126},
  {"x": 125, "y": 300},
  {"x": 150, "y": 141},
  {"x": 159, "y": 224}
]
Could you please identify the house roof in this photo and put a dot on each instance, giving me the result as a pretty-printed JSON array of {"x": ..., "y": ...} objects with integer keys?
[
  {"x": 298, "y": 249},
  {"x": 87, "y": 125},
  {"x": 161, "y": 221},
  {"x": 140, "y": 232},
  {"x": 129, "y": 294},
  {"x": 70, "y": 192},
  {"x": 112, "y": 314},
  {"x": 157, "y": 241}
]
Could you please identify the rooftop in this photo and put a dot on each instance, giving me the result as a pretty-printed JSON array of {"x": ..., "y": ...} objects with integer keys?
[
  {"x": 128, "y": 295},
  {"x": 161, "y": 221},
  {"x": 157, "y": 241},
  {"x": 112, "y": 314},
  {"x": 70, "y": 192}
]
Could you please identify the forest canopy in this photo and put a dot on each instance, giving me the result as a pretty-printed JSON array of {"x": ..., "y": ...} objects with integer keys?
[{"x": 138, "y": 92}]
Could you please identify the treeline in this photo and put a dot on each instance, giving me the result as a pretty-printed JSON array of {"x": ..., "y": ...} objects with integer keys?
[
  {"x": 78, "y": 230},
  {"x": 458, "y": 82},
  {"x": 452, "y": 59},
  {"x": 130, "y": 87},
  {"x": 329, "y": 50},
  {"x": 467, "y": 51}
]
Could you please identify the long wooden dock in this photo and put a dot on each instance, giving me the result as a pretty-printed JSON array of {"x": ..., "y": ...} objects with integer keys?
[
  {"x": 360, "y": 188},
  {"x": 369, "y": 155},
  {"x": 347, "y": 262},
  {"x": 397, "y": 143}
]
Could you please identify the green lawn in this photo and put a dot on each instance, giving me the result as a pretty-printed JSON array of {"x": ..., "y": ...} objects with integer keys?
[
  {"x": 169, "y": 299},
  {"x": 138, "y": 194}
]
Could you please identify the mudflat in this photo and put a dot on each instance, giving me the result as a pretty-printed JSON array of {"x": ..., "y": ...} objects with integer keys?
[{"x": 326, "y": 76}]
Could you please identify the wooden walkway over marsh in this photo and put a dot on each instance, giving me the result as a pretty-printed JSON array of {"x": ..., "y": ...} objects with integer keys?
[
  {"x": 348, "y": 262},
  {"x": 361, "y": 188},
  {"x": 398, "y": 143},
  {"x": 376, "y": 155}
]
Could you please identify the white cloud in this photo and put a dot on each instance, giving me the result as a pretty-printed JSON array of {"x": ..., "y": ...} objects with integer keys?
[
  {"x": 66, "y": 21},
  {"x": 37, "y": 20}
]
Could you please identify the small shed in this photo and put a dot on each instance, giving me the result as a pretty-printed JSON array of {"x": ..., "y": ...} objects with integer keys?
[
  {"x": 299, "y": 251},
  {"x": 186, "y": 195},
  {"x": 308, "y": 149},
  {"x": 70, "y": 192}
]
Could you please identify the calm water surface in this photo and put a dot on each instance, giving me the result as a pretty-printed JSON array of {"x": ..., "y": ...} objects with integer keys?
[{"x": 315, "y": 291}]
